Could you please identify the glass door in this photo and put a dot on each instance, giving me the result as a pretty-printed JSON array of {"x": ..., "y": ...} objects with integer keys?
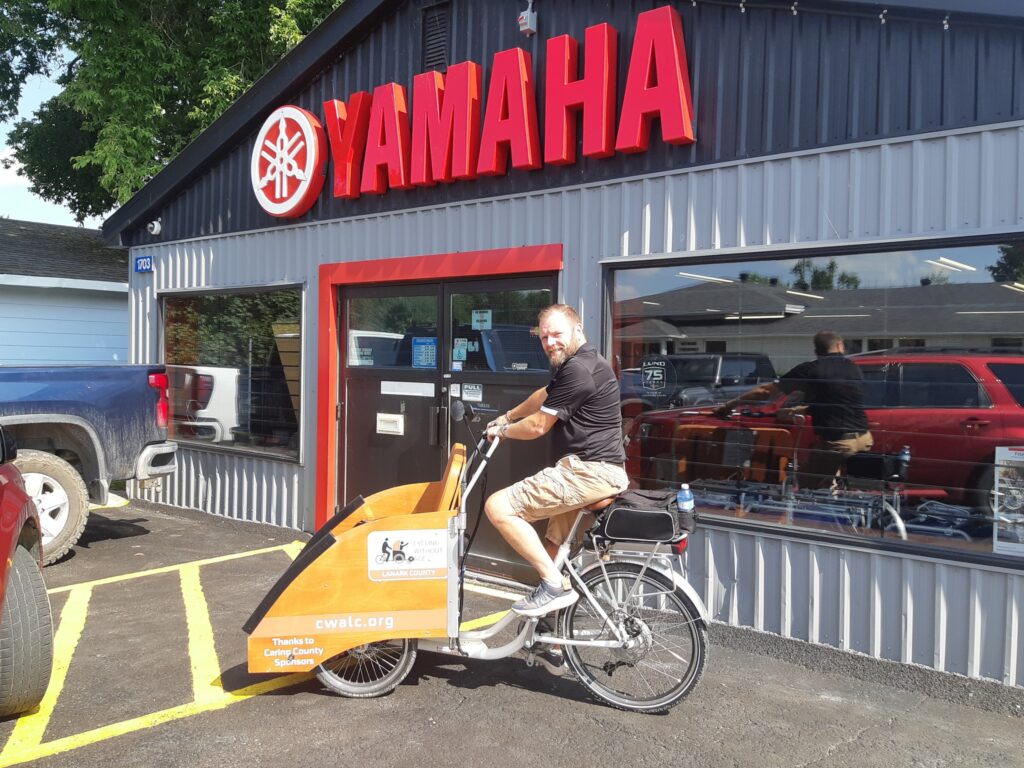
[
  {"x": 391, "y": 387},
  {"x": 493, "y": 361}
]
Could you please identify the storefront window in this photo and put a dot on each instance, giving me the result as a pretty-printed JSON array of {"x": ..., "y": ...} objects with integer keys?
[
  {"x": 234, "y": 366},
  {"x": 931, "y": 335},
  {"x": 497, "y": 331},
  {"x": 392, "y": 332}
]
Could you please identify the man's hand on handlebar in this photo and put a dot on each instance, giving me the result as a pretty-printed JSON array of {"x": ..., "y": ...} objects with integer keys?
[
  {"x": 496, "y": 430},
  {"x": 498, "y": 422}
]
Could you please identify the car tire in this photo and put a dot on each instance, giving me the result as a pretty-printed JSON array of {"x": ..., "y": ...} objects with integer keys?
[
  {"x": 983, "y": 503},
  {"x": 61, "y": 499},
  {"x": 26, "y": 637},
  {"x": 983, "y": 497}
]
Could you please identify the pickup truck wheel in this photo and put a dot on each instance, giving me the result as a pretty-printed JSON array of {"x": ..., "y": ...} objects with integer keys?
[
  {"x": 26, "y": 637},
  {"x": 61, "y": 499}
]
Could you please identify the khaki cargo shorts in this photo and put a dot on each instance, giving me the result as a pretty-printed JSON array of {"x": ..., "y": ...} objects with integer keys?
[{"x": 555, "y": 494}]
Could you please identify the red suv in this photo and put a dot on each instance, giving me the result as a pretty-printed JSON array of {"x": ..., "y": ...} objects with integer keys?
[
  {"x": 952, "y": 408},
  {"x": 26, "y": 626}
]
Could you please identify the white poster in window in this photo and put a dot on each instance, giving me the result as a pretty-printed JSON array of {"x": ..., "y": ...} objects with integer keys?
[
  {"x": 481, "y": 319},
  {"x": 1008, "y": 526}
]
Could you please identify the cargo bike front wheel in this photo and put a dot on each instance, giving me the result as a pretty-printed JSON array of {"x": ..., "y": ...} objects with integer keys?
[
  {"x": 369, "y": 670},
  {"x": 666, "y": 641}
]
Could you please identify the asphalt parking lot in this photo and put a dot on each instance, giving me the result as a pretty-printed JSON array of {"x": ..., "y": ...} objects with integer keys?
[{"x": 150, "y": 671}]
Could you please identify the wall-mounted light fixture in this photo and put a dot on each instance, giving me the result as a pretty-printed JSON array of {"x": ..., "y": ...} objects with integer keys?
[{"x": 528, "y": 20}]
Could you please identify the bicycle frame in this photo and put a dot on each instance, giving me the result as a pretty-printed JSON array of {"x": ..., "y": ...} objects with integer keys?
[{"x": 473, "y": 643}]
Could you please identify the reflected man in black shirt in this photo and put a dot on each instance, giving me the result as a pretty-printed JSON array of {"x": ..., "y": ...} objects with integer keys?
[{"x": 833, "y": 391}]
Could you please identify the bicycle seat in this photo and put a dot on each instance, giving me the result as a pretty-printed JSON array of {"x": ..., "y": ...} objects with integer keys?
[{"x": 597, "y": 506}]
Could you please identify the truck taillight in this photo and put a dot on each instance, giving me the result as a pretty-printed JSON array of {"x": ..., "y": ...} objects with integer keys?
[{"x": 158, "y": 381}]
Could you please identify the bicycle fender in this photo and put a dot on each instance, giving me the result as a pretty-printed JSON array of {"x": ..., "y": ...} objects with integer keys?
[{"x": 677, "y": 579}]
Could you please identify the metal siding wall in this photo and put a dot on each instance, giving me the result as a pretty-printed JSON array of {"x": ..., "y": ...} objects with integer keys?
[
  {"x": 955, "y": 618},
  {"x": 951, "y": 617},
  {"x": 763, "y": 82}
]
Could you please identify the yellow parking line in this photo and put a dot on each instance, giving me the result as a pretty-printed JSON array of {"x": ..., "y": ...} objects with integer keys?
[
  {"x": 28, "y": 731},
  {"x": 25, "y": 743},
  {"x": 287, "y": 548},
  {"x": 483, "y": 621},
  {"x": 202, "y": 652},
  {"x": 24, "y": 755}
]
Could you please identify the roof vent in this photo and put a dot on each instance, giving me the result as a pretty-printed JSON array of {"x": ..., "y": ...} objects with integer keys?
[{"x": 436, "y": 19}]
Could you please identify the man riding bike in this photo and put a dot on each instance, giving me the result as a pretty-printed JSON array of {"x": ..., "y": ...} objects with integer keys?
[{"x": 581, "y": 406}]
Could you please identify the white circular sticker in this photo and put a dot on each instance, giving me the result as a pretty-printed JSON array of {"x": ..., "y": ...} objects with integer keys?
[{"x": 287, "y": 168}]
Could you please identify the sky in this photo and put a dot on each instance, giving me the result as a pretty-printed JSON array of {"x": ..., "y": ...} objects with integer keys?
[{"x": 16, "y": 202}]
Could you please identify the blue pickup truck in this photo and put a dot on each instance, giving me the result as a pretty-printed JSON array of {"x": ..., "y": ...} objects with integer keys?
[{"x": 78, "y": 429}]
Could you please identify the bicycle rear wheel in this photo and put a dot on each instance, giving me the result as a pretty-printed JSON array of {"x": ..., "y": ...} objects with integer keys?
[
  {"x": 369, "y": 670},
  {"x": 667, "y": 648}
]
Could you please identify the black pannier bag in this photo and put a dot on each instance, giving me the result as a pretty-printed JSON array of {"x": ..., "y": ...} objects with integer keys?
[{"x": 649, "y": 516}]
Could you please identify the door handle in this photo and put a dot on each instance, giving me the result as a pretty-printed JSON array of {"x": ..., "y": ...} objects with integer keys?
[
  {"x": 975, "y": 423},
  {"x": 874, "y": 424},
  {"x": 432, "y": 425}
]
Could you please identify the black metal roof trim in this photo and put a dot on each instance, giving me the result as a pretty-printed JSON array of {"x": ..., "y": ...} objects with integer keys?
[
  {"x": 342, "y": 26},
  {"x": 1012, "y": 8}
]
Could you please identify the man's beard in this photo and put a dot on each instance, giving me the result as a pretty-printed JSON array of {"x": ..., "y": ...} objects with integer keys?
[{"x": 559, "y": 356}]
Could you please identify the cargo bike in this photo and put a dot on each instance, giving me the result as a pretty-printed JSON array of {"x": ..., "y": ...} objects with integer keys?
[{"x": 636, "y": 638}]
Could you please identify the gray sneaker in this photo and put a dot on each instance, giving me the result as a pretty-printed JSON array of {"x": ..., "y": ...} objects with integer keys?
[{"x": 544, "y": 600}]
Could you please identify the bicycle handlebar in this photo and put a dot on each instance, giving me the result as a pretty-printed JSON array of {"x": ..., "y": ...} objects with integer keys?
[{"x": 485, "y": 457}]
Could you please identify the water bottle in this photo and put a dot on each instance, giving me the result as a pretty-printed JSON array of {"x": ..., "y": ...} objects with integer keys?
[
  {"x": 903, "y": 462},
  {"x": 684, "y": 500}
]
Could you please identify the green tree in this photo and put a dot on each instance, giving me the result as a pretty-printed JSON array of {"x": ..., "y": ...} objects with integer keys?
[
  {"x": 54, "y": 175},
  {"x": 1010, "y": 265},
  {"x": 937, "y": 278},
  {"x": 32, "y": 35},
  {"x": 755, "y": 277},
  {"x": 848, "y": 281},
  {"x": 822, "y": 278},
  {"x": 143, "y": 77}
]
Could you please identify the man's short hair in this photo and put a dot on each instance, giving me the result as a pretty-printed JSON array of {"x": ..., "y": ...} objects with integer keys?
[
  {"x": 824, "y": 341},
  {"x": 570, "y": 314}
]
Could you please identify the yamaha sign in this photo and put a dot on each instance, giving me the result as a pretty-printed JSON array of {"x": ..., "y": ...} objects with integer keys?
[{"x": 378, "y": 143}]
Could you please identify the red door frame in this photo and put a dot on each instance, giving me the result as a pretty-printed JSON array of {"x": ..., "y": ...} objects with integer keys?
[{"x": 492, "y": 263}]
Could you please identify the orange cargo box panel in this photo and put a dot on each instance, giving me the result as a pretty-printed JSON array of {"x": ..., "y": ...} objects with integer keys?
[{"x": 384, "y": 579}]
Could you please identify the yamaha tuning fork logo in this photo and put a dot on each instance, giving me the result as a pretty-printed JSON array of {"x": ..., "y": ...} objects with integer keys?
[{"x": 288, "y": 162}]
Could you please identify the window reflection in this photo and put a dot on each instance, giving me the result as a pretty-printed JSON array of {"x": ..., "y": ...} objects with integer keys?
[
  {"x": 392, "y": 332},
  {"x": 496, "y": 331},
  {"x": 234, "y": 364},
  {"x": 934, "y": 334}
]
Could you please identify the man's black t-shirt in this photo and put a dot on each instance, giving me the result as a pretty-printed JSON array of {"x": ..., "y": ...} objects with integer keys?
[
  {"x": 834, "y": 393},
  {"x": 584, "y": 396}
]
